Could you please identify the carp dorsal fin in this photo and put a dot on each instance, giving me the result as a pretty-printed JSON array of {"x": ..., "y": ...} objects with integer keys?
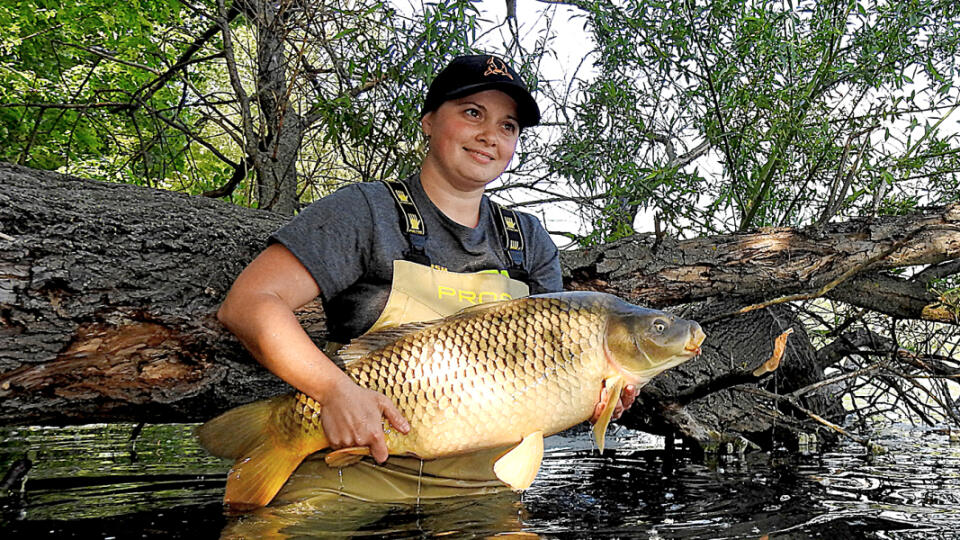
[
  {"x": 374, "y": 341},
  {"x": 518, "y": 467},
  {"x": 479, "y": 308},
  {"x": 615, "y": 385},
  {"x": 378, "y": 339}
]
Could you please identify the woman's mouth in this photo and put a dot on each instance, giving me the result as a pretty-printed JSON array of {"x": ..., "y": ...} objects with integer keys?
[{"x": 480, "y": 155}]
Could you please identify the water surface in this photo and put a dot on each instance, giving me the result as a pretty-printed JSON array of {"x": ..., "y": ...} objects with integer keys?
[{"x": 121, "y": 481}]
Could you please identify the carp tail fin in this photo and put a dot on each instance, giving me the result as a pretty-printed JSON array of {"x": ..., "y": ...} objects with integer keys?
[
  {"x": 237, "y": 431},
  {"x": 615, "y": 385},
  {"x": 266, "y": 454},
  {"x": 518, "y": 467},
  {"x": 254, "y": 480}
]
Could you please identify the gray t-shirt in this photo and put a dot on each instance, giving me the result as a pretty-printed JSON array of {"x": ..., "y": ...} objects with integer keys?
[{"x": 349, "y": 240}]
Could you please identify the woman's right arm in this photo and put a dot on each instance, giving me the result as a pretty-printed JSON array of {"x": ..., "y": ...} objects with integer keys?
[{"x": 259, "y": 310}]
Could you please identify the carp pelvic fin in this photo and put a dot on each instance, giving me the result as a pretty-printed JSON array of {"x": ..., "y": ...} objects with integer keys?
[
  {"x": 518, "y": 467},
  {"x": 614, "y": 386},
  {"x": 345, "y": 457}
]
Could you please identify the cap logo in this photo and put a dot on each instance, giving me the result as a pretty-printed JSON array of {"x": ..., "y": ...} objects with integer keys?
[{"x": 497, "y": 67}]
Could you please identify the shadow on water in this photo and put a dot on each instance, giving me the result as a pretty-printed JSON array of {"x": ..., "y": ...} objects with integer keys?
[{"x": 118, "y": 481}]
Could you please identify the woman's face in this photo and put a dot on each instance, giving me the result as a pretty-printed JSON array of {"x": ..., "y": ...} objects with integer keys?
[{"x": 472, "y": 139}]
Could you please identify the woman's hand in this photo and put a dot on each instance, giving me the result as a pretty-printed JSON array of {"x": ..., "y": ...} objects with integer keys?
[
  {"x": 353, "y": 416},
  {"x": 627, "y": 397}
]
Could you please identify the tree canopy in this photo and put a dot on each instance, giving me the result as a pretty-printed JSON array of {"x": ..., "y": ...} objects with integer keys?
[
  {"x": 268, "y": 103},
  {"x": 717, "y": 116}
]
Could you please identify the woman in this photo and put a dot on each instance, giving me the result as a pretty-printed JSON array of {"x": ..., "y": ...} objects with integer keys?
[{"x": 380, "y": 254}]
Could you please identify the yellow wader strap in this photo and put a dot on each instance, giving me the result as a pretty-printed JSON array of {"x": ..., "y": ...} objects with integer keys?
[
  {"x": 511, "y": 237},
  {"x": 411, "y": 222}
]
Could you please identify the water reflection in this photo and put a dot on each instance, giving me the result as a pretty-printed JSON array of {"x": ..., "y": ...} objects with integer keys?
[
  {"x": 109, "y": 480},
  {"x": 329, "y": 516}
]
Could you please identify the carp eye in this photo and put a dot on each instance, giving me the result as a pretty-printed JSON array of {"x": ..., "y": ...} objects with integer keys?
[{"x": 659, "y": 326}]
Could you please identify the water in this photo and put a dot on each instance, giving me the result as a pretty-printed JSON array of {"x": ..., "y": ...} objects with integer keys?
[{"x": 100, "y": 481}]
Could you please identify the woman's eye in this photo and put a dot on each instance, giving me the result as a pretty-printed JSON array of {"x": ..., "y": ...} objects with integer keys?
[
  {"x": 510, "y": 127},
  {"x": 473, "y": 112}
]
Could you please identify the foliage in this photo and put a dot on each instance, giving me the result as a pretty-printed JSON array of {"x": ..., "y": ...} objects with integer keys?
[
  {"x": 716, "y": 116},
  {"x": 56, "y": 54},
  {"x": 809, "y": 111},
  {"x": 152, "y": 93}
]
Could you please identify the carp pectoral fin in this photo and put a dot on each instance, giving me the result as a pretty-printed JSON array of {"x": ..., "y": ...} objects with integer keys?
[
  {"x": 614, "y": 385},
  {"x": 345, "y": 457},
  {"x": 518, "y": 467}
]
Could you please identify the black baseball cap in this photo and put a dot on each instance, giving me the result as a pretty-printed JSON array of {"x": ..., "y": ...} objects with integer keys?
[{"x": 466, "y": 75}]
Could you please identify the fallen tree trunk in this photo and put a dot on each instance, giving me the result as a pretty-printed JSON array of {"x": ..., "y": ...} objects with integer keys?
[
  {"x": 842, "y": 261},
  {"x": 107, "y": 301},
  {"x": 108, "y": 294}
]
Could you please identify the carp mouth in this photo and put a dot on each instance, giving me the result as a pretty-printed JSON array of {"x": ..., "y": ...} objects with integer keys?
[
  {"x": 697, "y": 337},
  {"x": 642, "y": 376}
]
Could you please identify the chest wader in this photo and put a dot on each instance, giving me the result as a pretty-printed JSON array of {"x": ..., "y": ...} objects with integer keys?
[{"x": 421, "y": 291}]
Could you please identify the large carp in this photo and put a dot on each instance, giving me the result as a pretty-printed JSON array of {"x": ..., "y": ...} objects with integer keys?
[{"x": 493, "y": 375}]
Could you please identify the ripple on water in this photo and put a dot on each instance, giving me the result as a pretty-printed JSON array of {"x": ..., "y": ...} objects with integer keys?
[{"x": 115, "y": 479}]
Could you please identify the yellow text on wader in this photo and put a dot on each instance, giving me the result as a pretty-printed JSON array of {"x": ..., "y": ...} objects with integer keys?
[{"x": 472, "y": 297}]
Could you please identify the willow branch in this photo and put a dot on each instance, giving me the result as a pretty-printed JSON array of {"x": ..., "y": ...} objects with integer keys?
[
  {"x": 96, "y": 105},
  {"x": 107, "y": 55},
  {"x": 250, "y": 138},
  {"x": 186, "y": 58}
]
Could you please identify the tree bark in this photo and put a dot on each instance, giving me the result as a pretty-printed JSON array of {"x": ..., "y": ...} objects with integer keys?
[
  {"x": 108, "y": 294},
  {"x": 107, "y": 301},
  {"x": 277, "y": 159},
  {"x": 844, "y": 259}
]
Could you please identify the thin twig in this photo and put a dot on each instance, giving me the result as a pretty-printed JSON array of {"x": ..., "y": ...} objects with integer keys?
[
  {"x": 107, "y": 56},
  {"x": 866, "y": 443},
  {"x": 96, "y": 105},
  {"x": 833, "y": 380}
]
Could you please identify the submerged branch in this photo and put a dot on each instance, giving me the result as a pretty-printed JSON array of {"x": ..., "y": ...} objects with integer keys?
[{"x": 866, "y": 443}]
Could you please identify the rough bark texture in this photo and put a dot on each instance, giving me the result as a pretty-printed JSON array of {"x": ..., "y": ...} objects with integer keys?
[
  {"x": 770, "y": 263},
  {"x": 107, "y": 301},
  {"x": 108, "y": 294}
]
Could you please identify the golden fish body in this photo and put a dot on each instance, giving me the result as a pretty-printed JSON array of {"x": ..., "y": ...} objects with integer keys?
[{"x": 486, "y": 377}]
